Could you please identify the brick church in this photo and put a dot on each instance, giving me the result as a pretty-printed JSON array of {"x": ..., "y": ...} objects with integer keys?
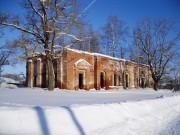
[{"x": 76, "y": 70}]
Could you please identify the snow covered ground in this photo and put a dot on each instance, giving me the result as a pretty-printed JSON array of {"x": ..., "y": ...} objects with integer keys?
[{"x": 25, "y": 111}]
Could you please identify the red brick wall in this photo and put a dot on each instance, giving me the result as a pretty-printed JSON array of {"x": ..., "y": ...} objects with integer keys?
[
  {"x": 73, "y": 70},
  {"x": 72, "y": 63}
]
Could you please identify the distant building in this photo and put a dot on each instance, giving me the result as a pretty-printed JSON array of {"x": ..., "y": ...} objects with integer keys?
[{"x": 76, "y": 70}]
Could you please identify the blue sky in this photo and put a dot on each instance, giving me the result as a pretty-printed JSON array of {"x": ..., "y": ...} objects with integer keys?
[
  {"x": 131, "y": 10},
  {"x": 127, "y": 10}
]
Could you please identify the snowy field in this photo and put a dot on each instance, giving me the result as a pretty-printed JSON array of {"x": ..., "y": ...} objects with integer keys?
[{"x": 25, "y": 111}]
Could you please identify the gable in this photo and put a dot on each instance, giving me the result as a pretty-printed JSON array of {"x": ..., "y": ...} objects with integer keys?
[{"x": 82, "y": 63}]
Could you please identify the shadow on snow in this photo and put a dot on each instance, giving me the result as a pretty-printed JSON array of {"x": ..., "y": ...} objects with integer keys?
[
  {"x": 74, "y": 119},
  {"x": 42, "y": 120},
  {"x": 44, "y": 125}
]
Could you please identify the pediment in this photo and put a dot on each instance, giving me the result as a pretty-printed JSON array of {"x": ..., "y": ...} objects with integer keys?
[{"x": 82, "y": 63}]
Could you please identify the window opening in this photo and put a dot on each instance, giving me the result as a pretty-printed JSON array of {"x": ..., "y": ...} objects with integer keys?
[
  {"x": 80, "y": 81},
  {"x": 127, "y": 82},
  {"x": 102, "y": 80}
]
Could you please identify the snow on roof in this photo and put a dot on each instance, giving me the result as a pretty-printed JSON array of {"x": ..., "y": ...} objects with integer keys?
[
  {"x": 95, "y": 54},
  {"x": 35, "y": 54},
  {"x": 7, "y": 80},
  {"x": 107, "y": 56},
  {"x": 92, "y": 54}
]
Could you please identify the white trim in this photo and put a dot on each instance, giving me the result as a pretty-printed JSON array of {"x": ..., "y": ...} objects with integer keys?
[{"x": 81, "y": 60}]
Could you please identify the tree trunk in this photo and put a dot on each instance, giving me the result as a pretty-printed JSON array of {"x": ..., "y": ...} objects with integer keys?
[
  {"x": 155, "y": 85},
  {"x": 51, "y": 80}
]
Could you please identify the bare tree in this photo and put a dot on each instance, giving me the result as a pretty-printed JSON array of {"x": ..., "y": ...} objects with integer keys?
[
  {"x": 46, "y": 21},
  {"x": 4, "y": 59},
  {"x": 4, "y": 52},
  {"x": 1, "y": 26},
  {"x": 174, "y": 70},
  {"x": 132, "y": 53},
  {"x": 5, "y": 55},
  {"x": 92, "y": 40},
  {"x": 157, "y": 40},
  {"x": 24, "y": 46},
  {"x": 81, "y": 35},
  {"x": 113, "y": 33}
]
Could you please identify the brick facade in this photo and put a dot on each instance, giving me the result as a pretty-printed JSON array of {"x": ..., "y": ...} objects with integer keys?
[{"x": 76, "y": 70}]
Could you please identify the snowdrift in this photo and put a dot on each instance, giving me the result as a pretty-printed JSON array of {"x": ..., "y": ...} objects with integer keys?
[
  {"x": 160, "y": 116},
  {"x": 8, "y": 80},
  {"x": 8, "y": 83}
]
